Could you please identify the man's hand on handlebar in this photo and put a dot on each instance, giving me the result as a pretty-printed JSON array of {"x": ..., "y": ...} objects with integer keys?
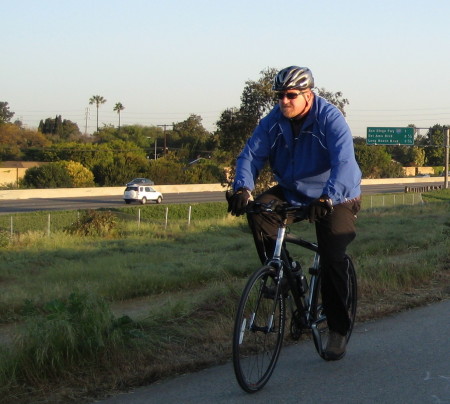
[
  {"x": 238, "y": 201},
  {"x": 319, "y": 208}
]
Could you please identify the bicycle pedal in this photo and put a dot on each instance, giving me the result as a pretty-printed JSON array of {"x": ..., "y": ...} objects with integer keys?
[
  {"x": 298, "y": 325},
  {"x": 313, "y": 271}
]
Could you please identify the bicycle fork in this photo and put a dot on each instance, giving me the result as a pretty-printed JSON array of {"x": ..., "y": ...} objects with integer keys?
[{"x": 277, "y": 263}]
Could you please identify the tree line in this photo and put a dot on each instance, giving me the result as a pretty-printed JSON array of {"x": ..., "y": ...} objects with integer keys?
[{"x": 187, "y": 153}]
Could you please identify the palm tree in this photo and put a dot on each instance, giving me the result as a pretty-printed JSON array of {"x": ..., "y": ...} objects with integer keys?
[
  {"x": 97, "y": 100},
  {"x": 118, "y": 107}
]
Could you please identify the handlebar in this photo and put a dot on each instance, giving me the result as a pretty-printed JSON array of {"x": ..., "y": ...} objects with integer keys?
[{"x": 283, "y": 209}]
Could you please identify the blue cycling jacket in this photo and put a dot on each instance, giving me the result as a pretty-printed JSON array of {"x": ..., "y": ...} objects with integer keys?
[{"x": 320, "y": 161}]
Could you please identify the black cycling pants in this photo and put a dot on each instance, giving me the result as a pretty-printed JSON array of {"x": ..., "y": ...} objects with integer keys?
[{"x": 334, "y": 233}]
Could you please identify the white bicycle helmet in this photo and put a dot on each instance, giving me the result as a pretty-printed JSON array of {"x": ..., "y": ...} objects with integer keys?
[{"x": 293, "y": 77}]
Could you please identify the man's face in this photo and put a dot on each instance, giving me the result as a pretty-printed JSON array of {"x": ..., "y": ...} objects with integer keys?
[{"x": 298, "y": 103}]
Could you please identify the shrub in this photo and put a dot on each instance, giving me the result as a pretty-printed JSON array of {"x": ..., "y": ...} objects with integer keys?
[
  {"x": 81, "y": 176},
  {"x": 59, "y": 174},
  {"x": 204, "y": 172},
  {"x": 94, "y": 223},
  {"x": 5, "y": 238},
  {"x": 52, "y": 175},
  {"x": 122, "y": 169}
]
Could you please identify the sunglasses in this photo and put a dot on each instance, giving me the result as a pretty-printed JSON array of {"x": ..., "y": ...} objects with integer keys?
[{"x": 289, "y": 96}]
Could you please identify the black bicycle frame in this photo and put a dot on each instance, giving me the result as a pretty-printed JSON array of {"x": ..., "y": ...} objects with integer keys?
[{"x": 281, "y": 263}]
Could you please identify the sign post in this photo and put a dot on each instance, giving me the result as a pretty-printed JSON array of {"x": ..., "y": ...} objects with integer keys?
[
  {"x": 390, "y": 136},
  {"x": 447, "y": 146}
]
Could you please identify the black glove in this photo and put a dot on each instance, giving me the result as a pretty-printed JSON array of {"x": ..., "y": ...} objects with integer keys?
[
  {"x": 238, "y": 201},
  {"x": 319, "y": 208}
]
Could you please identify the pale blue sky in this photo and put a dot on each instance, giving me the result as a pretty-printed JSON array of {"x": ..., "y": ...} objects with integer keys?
[{"x": 164, "y": 60}]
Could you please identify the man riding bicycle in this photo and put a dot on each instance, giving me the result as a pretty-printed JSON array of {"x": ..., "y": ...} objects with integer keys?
[{"x": 309, "y": 147}]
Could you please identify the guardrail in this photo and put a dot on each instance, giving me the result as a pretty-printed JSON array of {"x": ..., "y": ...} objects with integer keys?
[{"x": 423, "y": 189}]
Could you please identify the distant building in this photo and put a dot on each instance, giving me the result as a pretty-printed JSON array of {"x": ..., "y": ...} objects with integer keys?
[{"x": 12, "y": 171}]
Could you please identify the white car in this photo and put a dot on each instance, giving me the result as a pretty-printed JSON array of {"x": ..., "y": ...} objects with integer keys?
[{"x": 142, "y": 194}]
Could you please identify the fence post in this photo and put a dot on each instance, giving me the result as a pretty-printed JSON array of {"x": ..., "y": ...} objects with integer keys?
[
  {"x": 189, "y": 215},
  {"x": 167, "y": 215}
]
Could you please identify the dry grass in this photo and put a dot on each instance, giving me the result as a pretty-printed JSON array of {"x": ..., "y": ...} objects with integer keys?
[{"x": 185, "y": 323}]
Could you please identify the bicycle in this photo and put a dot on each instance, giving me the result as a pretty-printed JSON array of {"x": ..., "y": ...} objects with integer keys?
[{"x": 261, "y": 315}]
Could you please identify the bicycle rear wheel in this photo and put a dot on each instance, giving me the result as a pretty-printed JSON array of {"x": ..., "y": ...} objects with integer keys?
[
  {"x": 320, "y": 326},
  {"x": 258, "y": 330}
]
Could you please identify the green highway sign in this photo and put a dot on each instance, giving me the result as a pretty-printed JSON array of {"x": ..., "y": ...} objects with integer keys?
[{"x": 390, "y": 136}]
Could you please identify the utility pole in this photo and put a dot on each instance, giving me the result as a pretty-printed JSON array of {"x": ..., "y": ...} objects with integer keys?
[
  {"x": 156, "y": 141},
  {"x": 165, "y": 136},
  {"x": 447, "y": 146},
  {"x": 86, "y": 116}
]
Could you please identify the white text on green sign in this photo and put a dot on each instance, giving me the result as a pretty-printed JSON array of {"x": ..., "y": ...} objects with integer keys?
[{"x": 390, "y": 136}]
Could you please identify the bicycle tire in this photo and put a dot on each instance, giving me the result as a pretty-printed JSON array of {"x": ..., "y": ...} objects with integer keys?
[
  {"x": 256, "y": 339},
  {"x": 319, "y": 318}
]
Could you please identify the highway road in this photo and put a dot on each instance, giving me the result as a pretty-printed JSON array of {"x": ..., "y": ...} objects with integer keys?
[
  {"x": 96, "y": 202},
  {"x": 402, "y": 359}
]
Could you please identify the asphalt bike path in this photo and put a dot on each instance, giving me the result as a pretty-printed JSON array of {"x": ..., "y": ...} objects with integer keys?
[{"x": 401, "y": 359}]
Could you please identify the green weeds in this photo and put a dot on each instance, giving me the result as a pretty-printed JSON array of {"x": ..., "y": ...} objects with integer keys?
[
  {"x": 94, "y": 223},
  {"x": 62, "y": 335},
  {"x": 132, "y": 305}
]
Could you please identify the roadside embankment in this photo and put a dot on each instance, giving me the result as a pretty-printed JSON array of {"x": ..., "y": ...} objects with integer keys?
[{"x": 167, "y": 189}]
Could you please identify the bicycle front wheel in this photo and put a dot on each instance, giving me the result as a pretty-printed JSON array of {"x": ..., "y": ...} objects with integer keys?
[{"x": 258, "y": 330}]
